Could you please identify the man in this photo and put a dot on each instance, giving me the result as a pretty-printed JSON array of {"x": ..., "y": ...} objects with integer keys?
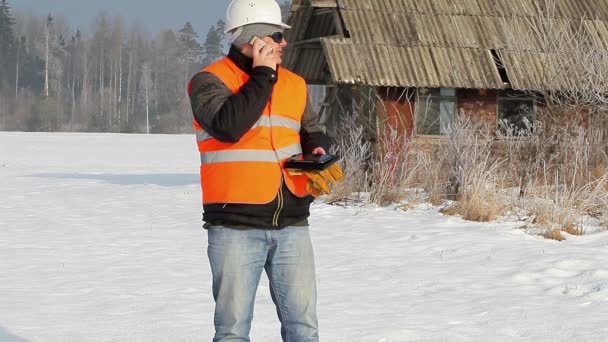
[{"x": 251, "y": 114}]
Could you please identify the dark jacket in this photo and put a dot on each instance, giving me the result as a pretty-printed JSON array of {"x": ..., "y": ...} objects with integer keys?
[{"x": 227, "y": 117}]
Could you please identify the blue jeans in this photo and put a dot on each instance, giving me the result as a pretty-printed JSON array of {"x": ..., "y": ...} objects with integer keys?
[{"x": 237, "y": 259}]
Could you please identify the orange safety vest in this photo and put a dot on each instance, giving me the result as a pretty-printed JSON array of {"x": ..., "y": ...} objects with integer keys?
[{"x": 250, "y": 171}]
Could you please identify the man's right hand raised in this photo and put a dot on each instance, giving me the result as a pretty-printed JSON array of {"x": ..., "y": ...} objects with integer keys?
[{"x": 263, "y": 56}]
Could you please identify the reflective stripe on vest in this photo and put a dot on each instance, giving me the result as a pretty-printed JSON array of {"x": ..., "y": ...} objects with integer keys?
[
  {"x": 250, "y": 155},
  {"x": 263, "y": 121}
]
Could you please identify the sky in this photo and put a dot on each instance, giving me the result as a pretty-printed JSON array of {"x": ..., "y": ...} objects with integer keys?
[
  {"x": 153, "y": 14},
  {"x": 108, "y": 246}
]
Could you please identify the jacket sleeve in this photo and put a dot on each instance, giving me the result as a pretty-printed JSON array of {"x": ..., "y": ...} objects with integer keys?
[
  {"x": 312, "y": 133},
  {"x": 227, "y": 116}
]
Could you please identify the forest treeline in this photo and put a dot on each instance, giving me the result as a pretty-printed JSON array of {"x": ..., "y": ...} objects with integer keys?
[{"x": 115, "y": 78}]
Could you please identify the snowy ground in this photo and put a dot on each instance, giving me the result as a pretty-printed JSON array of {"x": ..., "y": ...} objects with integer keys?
[{"x": 100, "y": 240}]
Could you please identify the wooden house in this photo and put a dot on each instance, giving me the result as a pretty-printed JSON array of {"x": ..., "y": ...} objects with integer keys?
[{"x": 430, "y": 59}]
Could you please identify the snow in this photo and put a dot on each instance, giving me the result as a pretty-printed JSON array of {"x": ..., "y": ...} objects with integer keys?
[{"x": 101, "y": 240}]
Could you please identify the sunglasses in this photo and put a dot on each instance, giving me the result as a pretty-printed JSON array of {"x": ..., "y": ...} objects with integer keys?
[{"x": 277, "y": 37}]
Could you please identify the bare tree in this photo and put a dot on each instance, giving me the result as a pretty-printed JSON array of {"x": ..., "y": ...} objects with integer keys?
[
  {"x": 1, "y": 112},
  {"x": 145, "y": 69},
  {"x": 20, "y": 44},
  {"x": 562, "y": 59},
  {"x": 85, "y": 80},
  {"x": 47, "y": 36},
  {"x": 95, "y": 82}
]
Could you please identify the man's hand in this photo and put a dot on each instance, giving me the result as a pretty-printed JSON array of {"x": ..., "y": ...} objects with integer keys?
[
  {"x": 319, "y": 182},
  {"x": 318, "y": 150},
  {"x": 264, "y": 56}
]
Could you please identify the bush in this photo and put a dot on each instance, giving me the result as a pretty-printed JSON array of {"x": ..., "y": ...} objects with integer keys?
[
  {"x": 554, "y": 171},
  {"x": 354, "y": 154}
]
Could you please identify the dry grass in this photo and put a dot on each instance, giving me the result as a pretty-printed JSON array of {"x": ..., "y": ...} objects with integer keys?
[
  {"x": 540, "y": 218},
  {"x": 555, "y": 172},
  {"x": 354, "y": 153},
  {"x": 384, "y": 168},
  {"x": 560, "y": 172},
  {"x": 393, "y": 167},
  {"x": 561, "y": 204},
  {"x": 475, "y": 208},
  {"x": 432, "y": 176},
  {"x": 573, "y": 229},
  {"x": 473, "y": 173},
  {"x": 569, "y": 227},
  {"x": 604, "y": 220},
  {"x": 554, "y": 234}
]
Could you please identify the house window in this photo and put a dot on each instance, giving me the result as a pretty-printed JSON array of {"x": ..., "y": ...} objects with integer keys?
[
  {"x": 435, "y": 110},
  {"x": 515, "y": 112}
]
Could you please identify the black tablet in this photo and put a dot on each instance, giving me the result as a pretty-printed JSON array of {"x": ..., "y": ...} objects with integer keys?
[{"x": 309, "y": 161}]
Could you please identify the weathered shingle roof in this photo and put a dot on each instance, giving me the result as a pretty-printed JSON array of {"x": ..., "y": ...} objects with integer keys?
[
  {"x": 589, "y": 9},
  {"x": 390, "y": 65},
  {"x": 433, "y": 43}
]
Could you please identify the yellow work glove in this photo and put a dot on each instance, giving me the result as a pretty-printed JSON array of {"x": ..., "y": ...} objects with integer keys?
[{"x": 320, "y": 181}]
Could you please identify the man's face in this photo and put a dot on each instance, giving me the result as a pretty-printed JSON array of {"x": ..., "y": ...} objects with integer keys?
[{"x": 277, "y": 47}]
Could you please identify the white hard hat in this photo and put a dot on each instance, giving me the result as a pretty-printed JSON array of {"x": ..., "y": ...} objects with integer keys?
[{"x": 243, "y": 12}]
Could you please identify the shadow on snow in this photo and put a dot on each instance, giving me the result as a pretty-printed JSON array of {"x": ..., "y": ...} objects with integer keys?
[
  {"x": 169, "y": 179},
  {"x": 5, "y": 336}
]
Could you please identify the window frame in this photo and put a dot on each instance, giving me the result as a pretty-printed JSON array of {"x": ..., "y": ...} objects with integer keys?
[
  {"x": 441, "y": 98},
  {"x": 512, "y": 95}
]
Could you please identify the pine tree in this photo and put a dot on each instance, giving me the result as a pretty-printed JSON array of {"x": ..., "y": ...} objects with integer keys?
[
  {"x": 31, "y": 68},
  {"x": 214, "y": 43},
  {"x": 7, "y": 41},
  {"x": 7, "y": 35},
  {"x": 189, "y": 38},
  {"x": 191, "y": 50},
  {"x": 220, "y": 26}
]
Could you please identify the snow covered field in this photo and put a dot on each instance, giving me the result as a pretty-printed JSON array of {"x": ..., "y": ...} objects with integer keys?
[{"x": 101, "y": 240}]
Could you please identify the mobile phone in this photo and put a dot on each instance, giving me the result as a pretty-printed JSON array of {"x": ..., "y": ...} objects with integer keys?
[{"x": 254, "y": 38}]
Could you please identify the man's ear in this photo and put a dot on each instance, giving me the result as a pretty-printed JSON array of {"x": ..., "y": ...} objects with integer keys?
[{"x": 246, "y": 50}]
